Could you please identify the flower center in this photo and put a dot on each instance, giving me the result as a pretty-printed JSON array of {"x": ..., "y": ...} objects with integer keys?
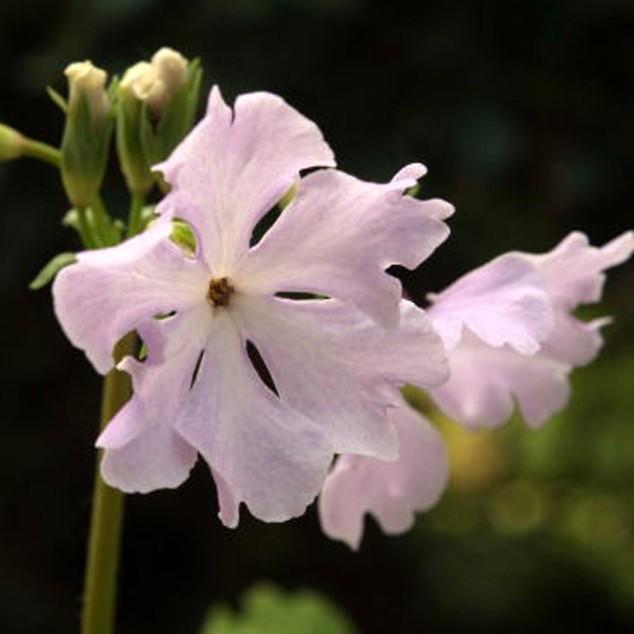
[{"x": 219, "y": 291}]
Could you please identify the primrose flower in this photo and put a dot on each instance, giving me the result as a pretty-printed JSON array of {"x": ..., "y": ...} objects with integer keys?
[
  {"x": 337, "y": 361},
  {"x": 390, "y": 491},
  {"x": 511, "y": 333}
]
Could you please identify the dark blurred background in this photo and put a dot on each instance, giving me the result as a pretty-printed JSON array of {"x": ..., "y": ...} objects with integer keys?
[{"x": 524, "y": 113}]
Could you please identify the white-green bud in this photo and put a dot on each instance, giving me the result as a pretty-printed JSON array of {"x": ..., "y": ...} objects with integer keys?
[
  {"x": 156, "y": 107},
  {"x": 88, "y": 81},
  {"x": 11, "y": 143},
  {"x": 171, "y": 68},
  {"x": 156, "y": 82},
  {"x": 89, "y": 122}
]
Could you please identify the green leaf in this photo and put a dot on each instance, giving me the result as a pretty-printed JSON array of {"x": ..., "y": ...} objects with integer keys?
[
  {"x": 269, "y": 610},
  {"x": 51, "y": 269}
]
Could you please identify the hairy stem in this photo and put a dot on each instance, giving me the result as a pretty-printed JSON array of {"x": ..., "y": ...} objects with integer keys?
[{"x": 99, "y": 601}]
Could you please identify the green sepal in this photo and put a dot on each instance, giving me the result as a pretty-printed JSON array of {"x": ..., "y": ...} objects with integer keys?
[
  {"x": 57, "y": 99},
  {"x": 148, "y": 213},
  {"x": 413, "y": 190},
  {"x": 132, "y": 158},
  {"x": 183, "y": 236},
  {"x": 51, "y": 269},
  {"x": 71, "y": 219},
  {"x": 288, "y": 197},
  {"x": 84, "y": 150},
  {"x": 108, "y": 233}
]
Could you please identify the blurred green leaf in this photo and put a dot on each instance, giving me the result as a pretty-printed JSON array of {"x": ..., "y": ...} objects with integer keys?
[{"x": 269, "y": 610}]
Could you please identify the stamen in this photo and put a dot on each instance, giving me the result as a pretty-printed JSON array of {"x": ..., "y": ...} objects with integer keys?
[{"x": 219, "y": 291}]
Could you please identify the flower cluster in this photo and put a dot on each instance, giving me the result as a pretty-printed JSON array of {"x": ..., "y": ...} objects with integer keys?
[{"x": 311, "y": 303}]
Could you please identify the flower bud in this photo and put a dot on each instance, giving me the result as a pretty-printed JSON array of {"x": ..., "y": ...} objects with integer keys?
[
  {"x": 133, "y": 90},
  {"x": 86, "y": 80},
  {"x": 155, "y": 83},
  {"x": 157, "y": 104},
  {"x": 11, "y": 143},
  {"x": 138, "y": 81},
  {"x": 87, "y": 132},
  {"x": 171, "y": 69}
]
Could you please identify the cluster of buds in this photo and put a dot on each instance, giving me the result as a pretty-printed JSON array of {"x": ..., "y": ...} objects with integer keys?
[
  {"x": 151, "y": 109},
  {"x": 157, "y": 105}
]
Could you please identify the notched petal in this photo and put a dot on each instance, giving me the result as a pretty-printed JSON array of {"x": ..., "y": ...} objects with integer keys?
[
  {"x": 110, "y": 292},
  {"x": 392, "y": 492},
  {"x": 234, "y": 166},
  {"x": 337, "y": 238}
]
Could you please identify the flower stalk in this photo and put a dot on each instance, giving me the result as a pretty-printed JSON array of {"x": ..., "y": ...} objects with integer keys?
[
  {"x": 134, "y": 218},
  {"x": 41, "y": 151},
  {"x": 99, "y": 600},
  {"x": 14, "y": 144}
]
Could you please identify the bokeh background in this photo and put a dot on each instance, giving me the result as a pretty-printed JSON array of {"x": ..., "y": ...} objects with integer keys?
[{"x": 524, "y": 113}]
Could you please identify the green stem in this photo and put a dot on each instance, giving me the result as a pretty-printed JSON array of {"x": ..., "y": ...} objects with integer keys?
[
  {"x": 134, "y": 217},
  {"x": 41, "y": 151},
  {"x": 98, "y": 610},
  {"x": 103, "y": 223},
  {"x": 85, "y": 230}
]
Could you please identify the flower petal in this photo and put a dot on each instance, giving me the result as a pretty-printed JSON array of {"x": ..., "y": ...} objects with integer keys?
[
  {"x": 574, "y": 342},
  {"x": 142, "y": 450},
  {"x": 268, "y": 455},
  {"x": 234, "y": 166},
  {"x": 339, "y": 235},
  {"x": 335, "y": 365},
  {"x": 110, "y": 292},
  {"x": 484, "y": 382},
  {"x": 502, "y": 302},
  {"x": 157, "y": 458},
  {"x": 573, "y": 270},
  {"x": 574, "y": 274},
  {"x": 391, "y": 491}
]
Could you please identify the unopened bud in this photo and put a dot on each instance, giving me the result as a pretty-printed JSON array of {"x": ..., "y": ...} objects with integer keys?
[
  {"x": 89, "y": 122},
  {"x": 156, "y": 82},
  {"x": 157, "y": 104},
  {"x": 138, "y": 81},
  {"x": 11, "y": 143},
  {"x": 171, "y": 68},
  {"x": 85, "y": 80}
]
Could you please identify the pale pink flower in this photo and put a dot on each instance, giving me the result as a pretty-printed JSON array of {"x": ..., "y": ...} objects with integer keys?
[
  {"x": 511, "y": 333},
  {"x": 392, "y": 492},
  {"x": 511, "y": 336},
  {"x": 337, "y": 363}
]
